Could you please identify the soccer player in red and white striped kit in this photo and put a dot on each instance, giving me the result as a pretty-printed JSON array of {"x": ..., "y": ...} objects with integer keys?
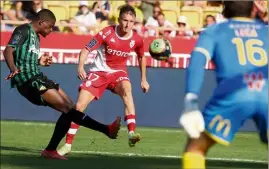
[{"x": 114, "y": 45}]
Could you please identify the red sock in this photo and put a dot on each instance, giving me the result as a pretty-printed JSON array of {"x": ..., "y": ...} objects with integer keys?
[
  {"x": 130, "y": 120},
  {"x": 71, "y": 133}
]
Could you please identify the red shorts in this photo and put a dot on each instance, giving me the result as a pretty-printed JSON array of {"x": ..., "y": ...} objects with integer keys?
[{"x": 97, "y": 82}]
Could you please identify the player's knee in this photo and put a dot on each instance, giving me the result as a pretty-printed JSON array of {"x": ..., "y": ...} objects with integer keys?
[
  {"x": 200, "y": 145},
  {"x": 127, "y": 95},
  {"x": 65, "y": 107}
]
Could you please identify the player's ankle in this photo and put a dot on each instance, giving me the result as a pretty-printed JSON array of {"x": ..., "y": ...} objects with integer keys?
[
  {"x": 68, "y": 145},
  {"x": 131, "y": 132}
]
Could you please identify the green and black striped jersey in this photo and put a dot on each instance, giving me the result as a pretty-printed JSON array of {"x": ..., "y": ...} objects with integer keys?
[{"x": 25, "y": 41}]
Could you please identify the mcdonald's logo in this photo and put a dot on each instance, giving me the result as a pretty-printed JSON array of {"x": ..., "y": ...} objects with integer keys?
[{"x": 221, "y": 124}]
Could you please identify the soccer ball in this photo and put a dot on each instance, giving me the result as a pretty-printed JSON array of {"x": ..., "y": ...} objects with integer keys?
[{"x": 160, "y": 49}]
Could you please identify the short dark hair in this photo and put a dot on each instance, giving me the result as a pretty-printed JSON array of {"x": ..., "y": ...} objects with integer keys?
[
  {"x": 237, "y": 8},
  {"x": 46, "y": 15},
  {"x": 157, "y": 6},
  {"x": 161, "y": 14},
  {"x": 127, "y": 9},
  {"x": 210, "y": 16}
]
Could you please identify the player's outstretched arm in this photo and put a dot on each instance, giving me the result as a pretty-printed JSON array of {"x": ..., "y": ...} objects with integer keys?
[
  {"x": 143, "y": 70},
  {"x": 8, "y": 54},
  {"x": 94, "y": 44},
  {"x": 192, "y": 119},
  {"x": 17, "y": 39},
  {"x": 82, "y": 59},
  {"x": 142, "y": 64},
  {"x": 202, "y": 53}
]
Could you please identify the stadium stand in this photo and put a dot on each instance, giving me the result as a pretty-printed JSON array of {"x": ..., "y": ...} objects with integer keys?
[{"x": 66, "y": 10}]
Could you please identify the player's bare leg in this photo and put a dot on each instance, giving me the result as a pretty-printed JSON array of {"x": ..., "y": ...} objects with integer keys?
[
  {"x": 62, "y": 93},
  {"x": 56, "y": 100},
  {"x": 84, "y": 99},
  {"x": 195, "y": 152},
  {"x": 53, "y": 153},
  {"x": 60, "y": 102},
  {"x": 124, "y": 90}
]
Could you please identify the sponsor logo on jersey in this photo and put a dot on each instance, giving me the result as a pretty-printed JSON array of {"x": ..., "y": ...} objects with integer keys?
[
  {"x": 122, "y": 78},
  {"x": 33, "y": 47},
  {"x": 117, "y": 52},
  {"x": 34, "y": 50},
  {"x": 221, "y": 125},
  {"x": 92, "y": 43},
  {"x": 112, "y": 40}
]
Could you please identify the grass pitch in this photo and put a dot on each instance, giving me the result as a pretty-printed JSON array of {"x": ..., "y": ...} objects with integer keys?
[{"x": 22, "y": 142}]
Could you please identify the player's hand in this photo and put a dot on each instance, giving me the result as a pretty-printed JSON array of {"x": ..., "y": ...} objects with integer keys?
[
  {"x": 82, "y": 74},
  {"x": 261, "y": 6},
  {"x": 145, "y": 86},
  {"x": 45, "y": 60},
  {"x": 13, "y": 73},
  {"x": 192, "y": 119}
]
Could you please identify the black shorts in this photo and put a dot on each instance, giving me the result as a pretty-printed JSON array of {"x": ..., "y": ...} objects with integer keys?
[{"x": 35, "y": 87}]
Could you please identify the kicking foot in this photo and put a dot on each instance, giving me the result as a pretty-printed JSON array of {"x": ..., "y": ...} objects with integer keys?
[
  {"x": 64, "y": 150},
  {"x": 52, "y": 154},
  {"x": 133, "y": 139},
  {"x": 114, "y": 128}
]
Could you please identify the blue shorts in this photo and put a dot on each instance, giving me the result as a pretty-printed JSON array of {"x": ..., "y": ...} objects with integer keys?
[{"x": 225, "y": 113}]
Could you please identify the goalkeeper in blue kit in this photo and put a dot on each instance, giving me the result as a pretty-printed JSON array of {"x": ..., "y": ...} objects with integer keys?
[{"x": 239, "y": 49}]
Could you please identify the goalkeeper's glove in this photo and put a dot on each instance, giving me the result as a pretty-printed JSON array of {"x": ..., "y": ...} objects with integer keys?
[{"x": 192, "y": 119}]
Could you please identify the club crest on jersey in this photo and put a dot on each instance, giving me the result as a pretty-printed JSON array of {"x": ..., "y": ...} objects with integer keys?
[
  {"x": 255, "y": 81},
  {"x": 132, "y": 43}
]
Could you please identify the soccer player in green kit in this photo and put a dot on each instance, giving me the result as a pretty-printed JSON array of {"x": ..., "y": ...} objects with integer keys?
[{"x": 22, "y": 57}]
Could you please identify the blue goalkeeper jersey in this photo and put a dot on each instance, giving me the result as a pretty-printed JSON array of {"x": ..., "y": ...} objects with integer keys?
[{"x": 237, "y": 47}]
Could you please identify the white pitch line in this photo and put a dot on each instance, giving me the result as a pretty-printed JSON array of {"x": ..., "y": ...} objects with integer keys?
[
  {"x": 123, "y": 128},
  {"x": 165, "y": 156},
  {"x": 134, "y": 154}
]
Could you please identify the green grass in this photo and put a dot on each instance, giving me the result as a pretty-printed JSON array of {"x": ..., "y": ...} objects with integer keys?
[{"x": 159, "y": 148}]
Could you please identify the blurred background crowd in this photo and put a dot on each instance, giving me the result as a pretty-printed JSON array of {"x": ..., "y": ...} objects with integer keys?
[{"x": 154, "y": 17}]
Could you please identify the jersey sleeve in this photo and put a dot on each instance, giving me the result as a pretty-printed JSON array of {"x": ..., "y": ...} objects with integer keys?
[
  {"x": 140, "y": 48},
  {"x": 205, "y": 45},
  {"x": 96, "y": 41},
  {"x": 202, "y": 53},
  {"x": 18, "y": 37}
]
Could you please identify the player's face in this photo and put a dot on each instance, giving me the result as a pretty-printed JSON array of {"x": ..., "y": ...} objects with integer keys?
[
  {"x": 46, "y": 27},
  {"x": 126, "y": 22},
  {"x": 210, "y": 21},
  {"x": 156, "y": 12}
]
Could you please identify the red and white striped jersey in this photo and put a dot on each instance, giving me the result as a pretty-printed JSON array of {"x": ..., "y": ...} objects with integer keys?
[{"x": 113, "y": 50}]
